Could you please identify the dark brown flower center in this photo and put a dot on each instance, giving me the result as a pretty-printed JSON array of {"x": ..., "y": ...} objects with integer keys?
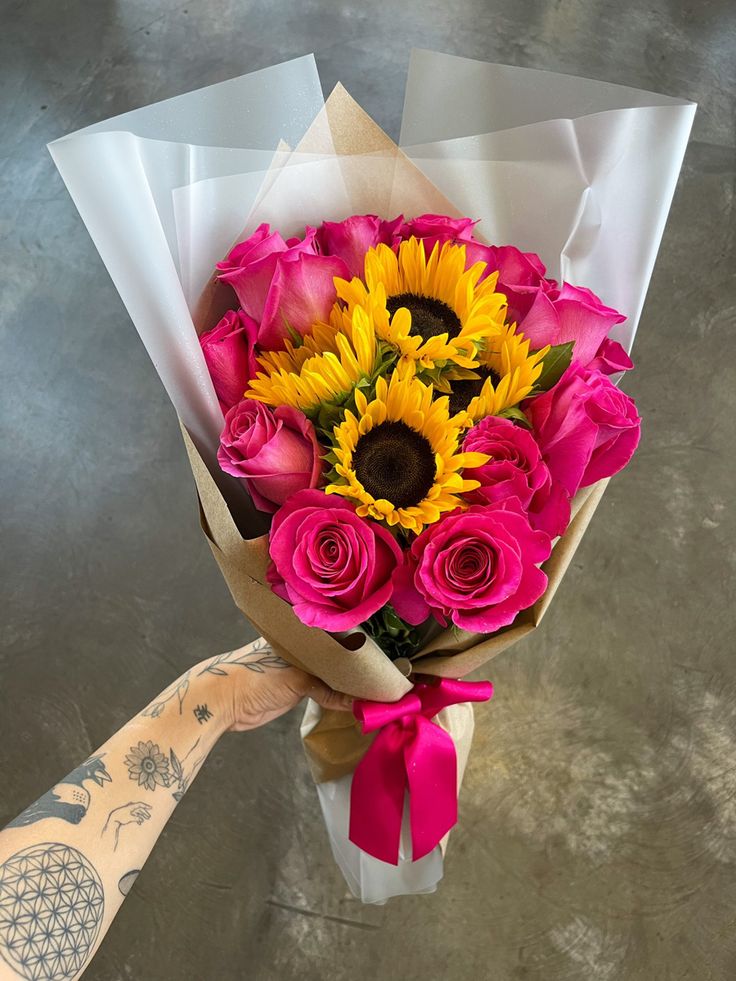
[
  {"x": 464, "y": 390},
  {"x": 396, "y": 463},
  {"x": 429, "y": 317}
]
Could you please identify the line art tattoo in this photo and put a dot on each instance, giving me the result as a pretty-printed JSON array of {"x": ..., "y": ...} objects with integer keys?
[
  {"x": 181, "y": 777},
  {"x": 150, "y": 768},
  {"x": 134, "y": 812},
  {"x": 248, "y": 659},
  {"x": 176, "y": 691},
  {"x": 51, "y": 907}
]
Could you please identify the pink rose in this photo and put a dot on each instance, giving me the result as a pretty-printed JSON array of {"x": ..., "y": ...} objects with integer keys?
[
  {"x": 351, "y": 239},
  {"x": 521, "y": 275},
  {"x": 476, "y": 567},
  {"x": 230, "y": 356},
  {"x": 438, "y": 228},
  {"x": 275, "y": 452},
  {"x": 586, "y": 428},
  {"x": 516, "y": 469},
  {"x": 570, "y": 313},
  {"x": 334, "y": 567},
  {"x": 611, "y": 358},
  {"x": 546, "y": 312},
  {"x": 285, "y": 286}
]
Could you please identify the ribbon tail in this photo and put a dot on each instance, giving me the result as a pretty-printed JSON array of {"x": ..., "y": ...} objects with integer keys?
[
  {"x": 431, "y": 767},
  {"x": 438, "y": 696},
  {"x": 377, "y": 797}
]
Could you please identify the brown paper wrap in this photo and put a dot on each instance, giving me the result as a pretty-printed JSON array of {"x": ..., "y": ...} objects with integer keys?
[{"x": 380, "y": 179}]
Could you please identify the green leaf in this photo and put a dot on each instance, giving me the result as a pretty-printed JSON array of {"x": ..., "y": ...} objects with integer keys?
[
  {"x": 394, "y": 636},
  {"x": 555, "y": 364},
  {"x": 515, "y": 414},
  {"x": 294, "y": 336}
]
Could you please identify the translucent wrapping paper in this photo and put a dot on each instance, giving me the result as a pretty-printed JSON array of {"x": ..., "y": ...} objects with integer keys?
[{"x": 581, "y": 172}]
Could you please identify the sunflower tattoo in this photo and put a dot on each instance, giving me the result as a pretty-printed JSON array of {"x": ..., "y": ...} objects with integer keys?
[{"x": 148, "y": 766}]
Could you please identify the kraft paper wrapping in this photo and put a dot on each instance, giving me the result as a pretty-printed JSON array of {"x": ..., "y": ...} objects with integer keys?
[{"x": 334, "y": 744}]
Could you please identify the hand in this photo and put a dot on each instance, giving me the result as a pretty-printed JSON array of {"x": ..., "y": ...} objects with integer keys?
[
  {"x": 128, "y": 813},
  {"x": 262, "y": 686},
  {"x": 133, "y": 811}
]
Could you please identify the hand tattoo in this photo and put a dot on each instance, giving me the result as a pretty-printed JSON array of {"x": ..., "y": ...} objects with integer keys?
[
  {"x": 133, "y": 812},
  {"x": 51, "y": 907}
]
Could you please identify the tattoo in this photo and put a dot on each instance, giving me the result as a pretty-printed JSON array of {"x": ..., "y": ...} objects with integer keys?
[
  {"x": 181, "y": 778},
  {"x": 134, "y": 812},
  {"x": 126, "y": 882},
  {"x": 246, "y": 659},
  {"x": 69, "y": 799},
  {"x": 148, "y": 766},
  {"x": 202, "y": 714},
  {"x": 151, "y": 768},
  {"x": 178, "y": 690},
  {"x": 51, "y": 907}
]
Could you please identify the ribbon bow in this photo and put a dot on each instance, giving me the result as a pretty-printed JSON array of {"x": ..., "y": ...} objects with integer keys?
[{"x": 409, "y": 751}]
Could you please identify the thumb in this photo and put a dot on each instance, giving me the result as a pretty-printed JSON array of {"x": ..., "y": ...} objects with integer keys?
[{"x": 327, "y": 697}]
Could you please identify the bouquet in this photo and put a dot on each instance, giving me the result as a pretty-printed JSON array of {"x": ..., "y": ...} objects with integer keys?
[
  {"x": 395, "y": 370},
  {"x": 417, "y": 410}
]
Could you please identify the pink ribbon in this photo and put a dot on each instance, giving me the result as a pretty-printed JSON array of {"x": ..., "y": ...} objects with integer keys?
[{"x": 409, "y": 751}]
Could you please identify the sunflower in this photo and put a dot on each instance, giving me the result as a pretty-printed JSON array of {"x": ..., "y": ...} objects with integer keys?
[
  {"x": 324, "y": 369},
  {"x": 148, "y": 766},
  {"x": 433, "y": 311},
  {"x": 505, "y": 375},
  {"x": 398, "y": 458},
  {"x": 291, "y": 358}
]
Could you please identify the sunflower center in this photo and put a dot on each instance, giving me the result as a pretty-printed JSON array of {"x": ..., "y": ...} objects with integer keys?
[
  {"x": 464, "y": 390},
  {"x": 429, "y": 317},
  {"x": 395, "y": 463}
]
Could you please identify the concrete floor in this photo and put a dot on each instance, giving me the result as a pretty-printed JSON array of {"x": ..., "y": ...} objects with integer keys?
[{"x": 598, "y": 834}]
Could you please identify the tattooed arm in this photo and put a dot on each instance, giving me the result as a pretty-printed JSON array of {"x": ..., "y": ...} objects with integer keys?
[{"x": 68, "y": 861}]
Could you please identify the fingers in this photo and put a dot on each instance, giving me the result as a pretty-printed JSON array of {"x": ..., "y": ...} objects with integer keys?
[
  {"x": 141, "y": 812},
  {"x": 326, "y": 697}
]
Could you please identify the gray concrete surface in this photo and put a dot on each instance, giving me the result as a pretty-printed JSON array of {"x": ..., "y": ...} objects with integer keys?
[{"x": 598, "y": 832}]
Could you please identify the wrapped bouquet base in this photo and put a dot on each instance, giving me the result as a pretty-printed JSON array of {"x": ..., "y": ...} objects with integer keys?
[
  {"x": 577, "y": 172},
  {"x": 334, "y": 746}
]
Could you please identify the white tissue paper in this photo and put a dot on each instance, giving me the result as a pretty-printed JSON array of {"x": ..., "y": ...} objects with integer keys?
[{"x": 369, "y": 879}]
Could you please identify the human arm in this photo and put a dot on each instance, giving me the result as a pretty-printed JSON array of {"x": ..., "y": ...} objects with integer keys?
[{"x": 68, "y": 861}]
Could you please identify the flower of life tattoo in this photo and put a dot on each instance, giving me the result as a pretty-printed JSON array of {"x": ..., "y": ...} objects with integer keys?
[{"x": 51, "y": 907}]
